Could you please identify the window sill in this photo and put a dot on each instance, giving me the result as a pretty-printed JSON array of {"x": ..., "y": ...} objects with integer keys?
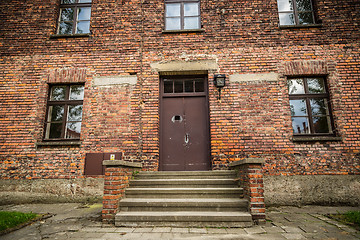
[
  {"x": 315, "y": 139},
  {"x": 54, "y": 36},
  {"x": 58, "y": 143},
  {"x": 300, "y": 26},
  {"x": 184, "y": 31}
]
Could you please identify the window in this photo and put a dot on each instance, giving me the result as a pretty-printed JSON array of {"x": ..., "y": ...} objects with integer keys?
[
  {"x": 309, "y": 105},
  {"x": 74, "y": 17},
  {"x": 64, "y": 112},
  {"x": 182, "y": 15},
  {"x": 193, "y": 85},
  {"x": 296, "y": 12}
]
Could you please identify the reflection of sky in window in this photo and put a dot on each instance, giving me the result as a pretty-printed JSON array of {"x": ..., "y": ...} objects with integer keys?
[
  {"x": 298, "y": 107},
  {"x": 191, "y": 9},
  {"x": 284, "y": 5},
  {"x": 84, "y": 13},
  {"x": 173, "y": 10},
  {"x": 191, "y": 23},
  {"x": 296, "y": 86}
]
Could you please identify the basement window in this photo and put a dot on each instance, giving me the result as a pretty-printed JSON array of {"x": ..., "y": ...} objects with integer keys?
[
  {"x": 64, "y": 112},
  {"x": 74, "y": 17},
  {"x": 310, "y": 107}
]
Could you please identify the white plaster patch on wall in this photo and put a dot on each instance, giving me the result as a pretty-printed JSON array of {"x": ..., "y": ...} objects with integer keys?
[
  {"x": 115, "y": 80},
  {"x": 254, "y": 77},
  {"x": 196, "y": 65}
]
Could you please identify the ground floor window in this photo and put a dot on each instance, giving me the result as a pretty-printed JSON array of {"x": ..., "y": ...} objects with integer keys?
[
  {"x": 64, "y": 112},
  {"x": 310, "y": 106}
]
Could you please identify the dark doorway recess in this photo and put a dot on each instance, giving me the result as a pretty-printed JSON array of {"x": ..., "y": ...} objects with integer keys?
[{"x": 184, "y": 124}]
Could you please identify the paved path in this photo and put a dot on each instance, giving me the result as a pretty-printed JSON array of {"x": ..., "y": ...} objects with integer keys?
[{"x": 76, "y": 221}]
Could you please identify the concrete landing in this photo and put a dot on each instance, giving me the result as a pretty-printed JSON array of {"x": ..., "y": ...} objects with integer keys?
[{"x": 80, "y": 222}]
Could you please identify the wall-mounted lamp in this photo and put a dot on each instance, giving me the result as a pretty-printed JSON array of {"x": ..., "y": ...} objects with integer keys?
[{"x": 219, "y": 82}]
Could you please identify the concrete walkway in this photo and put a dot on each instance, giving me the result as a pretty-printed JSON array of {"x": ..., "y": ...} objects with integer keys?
[{"x": 77, "y": 221}]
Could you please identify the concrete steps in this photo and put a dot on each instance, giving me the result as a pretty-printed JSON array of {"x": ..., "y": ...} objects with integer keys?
[{"x": 194, "y": 199}]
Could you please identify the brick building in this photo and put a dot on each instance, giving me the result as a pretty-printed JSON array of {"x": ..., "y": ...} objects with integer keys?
[{"x": 135, "y": 78}]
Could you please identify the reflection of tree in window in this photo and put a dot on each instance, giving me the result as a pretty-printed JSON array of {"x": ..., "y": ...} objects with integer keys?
[
  {"x": 64, "y": 112},
  {"x": 295, "y": 12},
  {"x": 74, "y": 17},
  {"x": 309, "y": 106}
]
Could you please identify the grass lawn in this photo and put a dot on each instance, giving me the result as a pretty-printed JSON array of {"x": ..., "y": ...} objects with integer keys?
[
  {"x": 10, "y": 220},
  {"x": 351, "y": 218}
]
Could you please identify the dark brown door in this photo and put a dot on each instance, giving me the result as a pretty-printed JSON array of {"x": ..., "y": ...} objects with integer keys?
[{"x": 184, "y": 125}]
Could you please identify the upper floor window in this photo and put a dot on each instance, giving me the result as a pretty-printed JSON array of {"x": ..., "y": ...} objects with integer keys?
[
  {"x": 296, "y": 12},
  {"x": 310, "y": 106},
  {"x": 64, "y": 112},
  {"x": 74, "y": 17},
  {"x": 182, "y": 14}
]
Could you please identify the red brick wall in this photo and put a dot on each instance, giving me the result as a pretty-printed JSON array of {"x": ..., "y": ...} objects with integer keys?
[{"x": 251, "y": 120}]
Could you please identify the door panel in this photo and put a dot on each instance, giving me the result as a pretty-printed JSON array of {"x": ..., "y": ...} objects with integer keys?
[{"x": 184, "y": 134}]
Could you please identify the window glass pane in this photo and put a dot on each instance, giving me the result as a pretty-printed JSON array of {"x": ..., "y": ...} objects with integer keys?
[
  {"x": 303, "y": 5},
  {"x": 173, "y": 10},
  {"x": 168, "y": 86},
  {"x": 191, "y": 9},
  {"x": 75, "y": 113},
  {"x": 67, "y": 14},
  {"x": 173, "y": 24},
  {"x": 306, "y": 18},
  {"x": 189, "y": 86},
  {"x": 58, "y": 93},
  {"x": 84, "y": 1},
  {"x": 73, "y": 130},
  {"x": 84, "y": 13},
  {"x": 83, "y": 27},
  {"x": 316, "y": 85},
  {"x": 179, "y": 86},
  {"x": 296, "y": 86},
  {"x": 53, "y": 130},
  {"x": 56, "y": 113},
  {"x": 191, "y": 23},
  {"x": 65, "y": 28},
  {"x": 199, "y": 86},
  {"x": 284, "y": 5},
  {"x": 286, "y": 19},
  {"x": 67, "y": 1},
  {"x": 76, "y": 92},
  {"x": 322, "y": 124},
  {"x": 319, "y": 107},
  {"x": 298, "y": 107},
  {"x": 300, "y": 125}
]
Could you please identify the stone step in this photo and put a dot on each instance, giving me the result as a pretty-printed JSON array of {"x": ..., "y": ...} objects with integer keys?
[
  {"x": 183, "y": 219},
  {"x": 191, "y": 174},
  {"x": 184, "y": 192},
  {"x": 183, "y": 204},
  {"x": 192, "y": 183}
]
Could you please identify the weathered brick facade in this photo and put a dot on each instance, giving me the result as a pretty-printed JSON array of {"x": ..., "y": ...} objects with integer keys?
[{"x": 243, "y": 40}]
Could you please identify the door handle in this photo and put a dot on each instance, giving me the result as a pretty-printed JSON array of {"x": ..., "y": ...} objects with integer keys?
[{"x": 186, "y": 138}]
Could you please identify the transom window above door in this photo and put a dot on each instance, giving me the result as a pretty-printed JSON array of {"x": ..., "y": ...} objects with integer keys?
[
  {"x": 193, "y": 85},
  {"x": 182, "y": 15}
]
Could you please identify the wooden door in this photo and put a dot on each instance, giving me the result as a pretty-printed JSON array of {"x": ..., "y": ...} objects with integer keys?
[{"x": 184, "y": 125}]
